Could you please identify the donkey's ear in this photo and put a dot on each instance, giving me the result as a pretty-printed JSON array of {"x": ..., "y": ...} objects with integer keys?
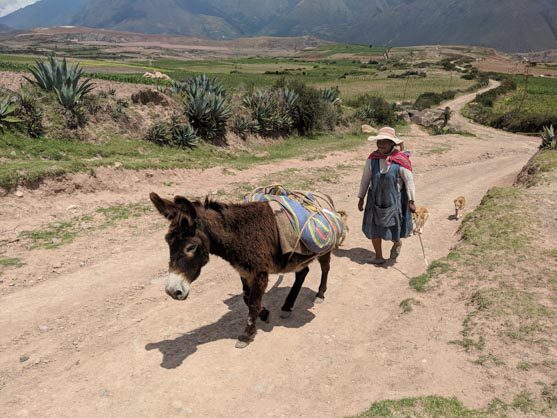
[
  {"x": 166, "y": 208},
  {"x": 186, "y": 206}
]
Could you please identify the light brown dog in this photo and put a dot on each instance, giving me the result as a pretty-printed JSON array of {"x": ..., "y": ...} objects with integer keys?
[
  {"x": 419, "y": 219},
  {"x": 459, "y": 205}
]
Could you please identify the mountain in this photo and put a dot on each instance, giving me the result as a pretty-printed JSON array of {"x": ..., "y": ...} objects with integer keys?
[
  {"x": 509, "y": 25},
  {"x": 5, "y": 29}
]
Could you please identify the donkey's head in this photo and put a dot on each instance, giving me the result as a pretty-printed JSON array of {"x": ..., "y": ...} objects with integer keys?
[{"x": 187, "y": 241}]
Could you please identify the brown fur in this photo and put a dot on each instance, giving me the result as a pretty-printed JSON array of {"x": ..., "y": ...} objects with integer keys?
[
  {"x": 419, "y": 219},
  {"x": 246, "y": 235},
  {"x": 459, "y": 206}
]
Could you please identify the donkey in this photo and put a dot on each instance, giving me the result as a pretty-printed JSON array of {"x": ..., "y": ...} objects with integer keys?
[{"x": 246, "y": 235}]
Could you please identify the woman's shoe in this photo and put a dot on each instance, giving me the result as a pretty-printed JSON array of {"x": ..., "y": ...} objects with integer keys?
[{"x": 395, "y": 251}]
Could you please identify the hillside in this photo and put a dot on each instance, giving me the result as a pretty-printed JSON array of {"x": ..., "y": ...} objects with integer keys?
[{"x": 386, "y": 22}]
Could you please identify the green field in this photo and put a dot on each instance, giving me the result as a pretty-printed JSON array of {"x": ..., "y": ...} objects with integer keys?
[
  {"x": 540, "y": 97},
  {"x": 239, "y": 75}
]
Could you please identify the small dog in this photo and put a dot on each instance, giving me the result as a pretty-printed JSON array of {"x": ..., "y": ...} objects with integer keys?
[
  {"x": 344, "y": 219},
  {"x": 459, "y": 205},
  {"x": 419, "y": 219}
]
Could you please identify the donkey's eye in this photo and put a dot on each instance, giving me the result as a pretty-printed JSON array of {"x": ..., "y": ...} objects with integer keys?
[{"x": 191, "y": 248}]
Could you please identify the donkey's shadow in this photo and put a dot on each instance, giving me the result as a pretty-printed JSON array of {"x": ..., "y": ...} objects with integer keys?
[{"x": 231, "y": 324}]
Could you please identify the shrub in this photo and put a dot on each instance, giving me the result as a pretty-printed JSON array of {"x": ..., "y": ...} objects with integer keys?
[
  {"x": 8, "y": 119},
  {"x": 158, "y": 134},
  {"x": 241, "y": 126},
  {"x": 549, "y": 141},
  {"x": 429, "y": 99},
  {"x": 31, "y": 116},
  {"x": 488, "y": 98},
  {"x": 207, "y": 113},
  {"x": 330, "y": 94},
  {"x": 511, "y": 121},
  {"x": 409, "y": 73},
  {"x": 376, "y": 111},
  {"x": 272, "y": 111},
  {"x": 309, "y": 110},
  {"x": 201, "y": 82},
  {"x": 184, "y": 136},
  {"x": 53, "y": 76}
]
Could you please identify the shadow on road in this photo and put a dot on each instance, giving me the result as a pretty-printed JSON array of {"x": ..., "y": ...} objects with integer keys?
[
  {"x": 231, "y": 325},
  {"x": 357, "y": 255}
]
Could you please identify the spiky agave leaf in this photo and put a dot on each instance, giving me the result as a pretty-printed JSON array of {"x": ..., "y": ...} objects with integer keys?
[
  {"x": 330, "y": 94},
  {"x": 184, "y": 136},
  {"x": 207, "y": 113},
  {"x": 7, "y": 110},
  {"x": 53, "y": 75},
  {"x": 549, "y": 141}
]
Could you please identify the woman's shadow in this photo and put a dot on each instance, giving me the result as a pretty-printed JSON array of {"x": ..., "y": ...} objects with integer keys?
[{"x": 231, "y": 324}]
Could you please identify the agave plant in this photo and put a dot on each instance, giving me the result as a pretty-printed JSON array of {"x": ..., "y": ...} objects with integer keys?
[
  {"x": 7, "y": 111},
  {"x": 330, "y": 94},
  {"x": 30, "y": 114},
  {"x": 207, "y": 113},
  {"x": 158, "y": 134},
  {"x": 366, "y": 113},
  {"x": 272, "y": 111},
  {"x": 200, "y": 83},
  {"x": 241, "y": 126},
  {"x": 549, "y": 141},
  {"x": 184, "y": 136},
  {"x": 51, "y": 75}
]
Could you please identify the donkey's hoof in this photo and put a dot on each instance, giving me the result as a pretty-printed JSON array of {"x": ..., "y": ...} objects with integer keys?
[
  {"x": 285, "y": 314},
  {"x": 242, "y": 344},
  {"x": 265, "y": 315},
  {"x": 318, "y": 300}
]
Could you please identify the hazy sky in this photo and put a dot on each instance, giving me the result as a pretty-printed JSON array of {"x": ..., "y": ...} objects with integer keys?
[{"x": 8, "y": 6}]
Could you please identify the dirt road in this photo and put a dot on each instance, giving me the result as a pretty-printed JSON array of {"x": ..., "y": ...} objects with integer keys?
[{"x": 86, "y": 329}]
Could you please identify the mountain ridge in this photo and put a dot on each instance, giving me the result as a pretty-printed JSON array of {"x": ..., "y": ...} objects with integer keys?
[{"x": 508, "y": 25}]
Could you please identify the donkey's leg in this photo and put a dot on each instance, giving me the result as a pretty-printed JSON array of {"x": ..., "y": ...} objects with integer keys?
[
  {"x": 254, "y": 304},
  {"x": 325, "y": 261},
  {"x": 264, "y": 314},
  {"x": 246, "y": 289},
  {"x": 286, "y": 309}
]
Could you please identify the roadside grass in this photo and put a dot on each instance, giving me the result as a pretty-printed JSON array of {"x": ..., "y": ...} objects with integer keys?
[
  {"x": 540, "y": 170},
  {"x": 114, "y": 214},
  {"x": 26, "y": 160},
  {"x": 507, "y": 279},
  {"x": 292, "y": 179},
  {"x": 58, "y": 234},
  {"x": 427, "y": 406},
  {"x": 407, "y": 305},
  {"x": 11, "y": 262},
  {"x": 55, "y": 234},
  {"x": 544, "y": 404},
  {"x": 437, "y": 150}
]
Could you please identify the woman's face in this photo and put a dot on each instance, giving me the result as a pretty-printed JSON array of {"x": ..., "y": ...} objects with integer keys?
[{"x": 385, "y": 146}]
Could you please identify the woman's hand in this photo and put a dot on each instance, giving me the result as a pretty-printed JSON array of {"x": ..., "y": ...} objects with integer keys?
[
  {"x": 412, "y": 207},
  {"x": 361, "y": 205}
]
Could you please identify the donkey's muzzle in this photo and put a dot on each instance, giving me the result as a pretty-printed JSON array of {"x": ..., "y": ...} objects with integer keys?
[{"x": 176, "y": 287}]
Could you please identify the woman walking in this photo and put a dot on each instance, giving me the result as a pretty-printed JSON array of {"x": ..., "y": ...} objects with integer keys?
[{"x": 389, "y": 184}]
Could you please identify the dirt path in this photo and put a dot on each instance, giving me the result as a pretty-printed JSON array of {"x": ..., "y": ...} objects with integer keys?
[{"x": 102, "y": 339}]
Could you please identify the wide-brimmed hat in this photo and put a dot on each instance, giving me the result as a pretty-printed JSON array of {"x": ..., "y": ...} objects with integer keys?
[{"x": 386, "y": 133}]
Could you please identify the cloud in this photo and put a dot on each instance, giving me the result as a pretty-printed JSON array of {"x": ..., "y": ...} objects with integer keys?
[{"x": 9, "y": 6}]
